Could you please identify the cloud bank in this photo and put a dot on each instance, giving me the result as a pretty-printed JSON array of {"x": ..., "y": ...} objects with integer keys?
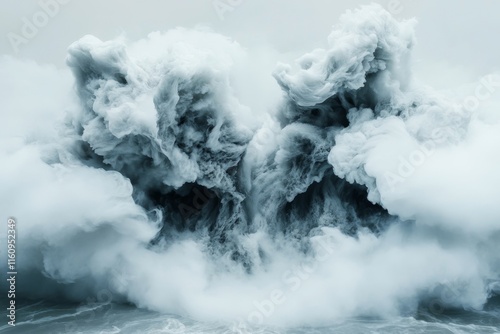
[{"x": 362, "y": 193}]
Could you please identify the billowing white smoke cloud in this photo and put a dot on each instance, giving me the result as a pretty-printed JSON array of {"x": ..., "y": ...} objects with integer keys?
[
  {"x": 285, "y": 233},
  {"x": 365, "y": 44}
]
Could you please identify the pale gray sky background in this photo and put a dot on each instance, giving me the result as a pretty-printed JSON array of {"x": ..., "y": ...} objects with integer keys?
[{"x": 456, "y": 39}]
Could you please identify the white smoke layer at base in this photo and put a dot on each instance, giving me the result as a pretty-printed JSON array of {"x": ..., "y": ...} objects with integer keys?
[{"x": 428, "y": 162}]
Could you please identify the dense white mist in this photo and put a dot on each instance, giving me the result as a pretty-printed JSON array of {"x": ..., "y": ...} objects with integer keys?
[{"x": 91, "y": 173}]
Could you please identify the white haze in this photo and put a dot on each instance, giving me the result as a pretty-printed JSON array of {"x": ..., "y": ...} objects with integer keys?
[{"x": 80, "y": 230}]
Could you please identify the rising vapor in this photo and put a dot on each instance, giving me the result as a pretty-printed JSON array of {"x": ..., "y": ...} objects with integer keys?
[{"x": 363, "y": 193}]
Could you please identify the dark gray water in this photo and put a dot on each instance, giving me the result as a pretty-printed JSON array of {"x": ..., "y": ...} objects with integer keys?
[{"x": 44, "y": 317}]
